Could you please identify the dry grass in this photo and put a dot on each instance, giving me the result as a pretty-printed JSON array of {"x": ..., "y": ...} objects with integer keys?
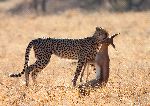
[{"x": 129, "y": 82}]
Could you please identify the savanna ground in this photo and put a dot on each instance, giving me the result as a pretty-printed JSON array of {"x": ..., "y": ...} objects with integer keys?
[{"x": 129, "y": 82}]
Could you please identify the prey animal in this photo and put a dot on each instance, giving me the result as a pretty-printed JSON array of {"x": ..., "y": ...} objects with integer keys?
[{"x": 102, "y": 64}]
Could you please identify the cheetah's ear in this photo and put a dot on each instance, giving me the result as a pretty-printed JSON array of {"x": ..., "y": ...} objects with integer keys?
[{"x": 98, "y": 29}]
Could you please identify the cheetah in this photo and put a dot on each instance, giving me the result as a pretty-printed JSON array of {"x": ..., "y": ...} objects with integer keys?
[{"x": 83, "y": 50}]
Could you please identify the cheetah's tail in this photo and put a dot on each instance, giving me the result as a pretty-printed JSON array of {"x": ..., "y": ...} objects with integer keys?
[
  {"x": 17, "y": 75},
  {"x": 28, "y": 49}
]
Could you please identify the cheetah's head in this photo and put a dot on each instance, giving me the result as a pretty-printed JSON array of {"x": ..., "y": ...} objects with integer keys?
[{"x": 100, "y": 34}]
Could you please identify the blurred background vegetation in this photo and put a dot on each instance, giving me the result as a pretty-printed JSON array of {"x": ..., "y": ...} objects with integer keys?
[{"x": 57, "y": 6}]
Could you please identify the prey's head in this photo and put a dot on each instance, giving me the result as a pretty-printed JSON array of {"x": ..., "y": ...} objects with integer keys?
[{"x": 109, "y": 40}]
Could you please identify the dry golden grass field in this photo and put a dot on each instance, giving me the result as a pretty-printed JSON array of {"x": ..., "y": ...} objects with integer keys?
[{"x": 129, "y": 81}]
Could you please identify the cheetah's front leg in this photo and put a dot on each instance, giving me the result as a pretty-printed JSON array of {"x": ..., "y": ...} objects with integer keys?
[
  {"x": 78, "y": 70},
  {"x": 86, "y": 67},
  {"x": 83, "y": 72}
]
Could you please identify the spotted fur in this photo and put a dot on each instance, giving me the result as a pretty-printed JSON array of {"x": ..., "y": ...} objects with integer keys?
[{"x": 83, "y": 50}]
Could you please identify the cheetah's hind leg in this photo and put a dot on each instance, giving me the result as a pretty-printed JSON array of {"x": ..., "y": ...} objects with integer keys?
[
  {"x": 35, "y": 68},
  {"x": 34, "y": 75},
  {"x": 27, "y": 72}
]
